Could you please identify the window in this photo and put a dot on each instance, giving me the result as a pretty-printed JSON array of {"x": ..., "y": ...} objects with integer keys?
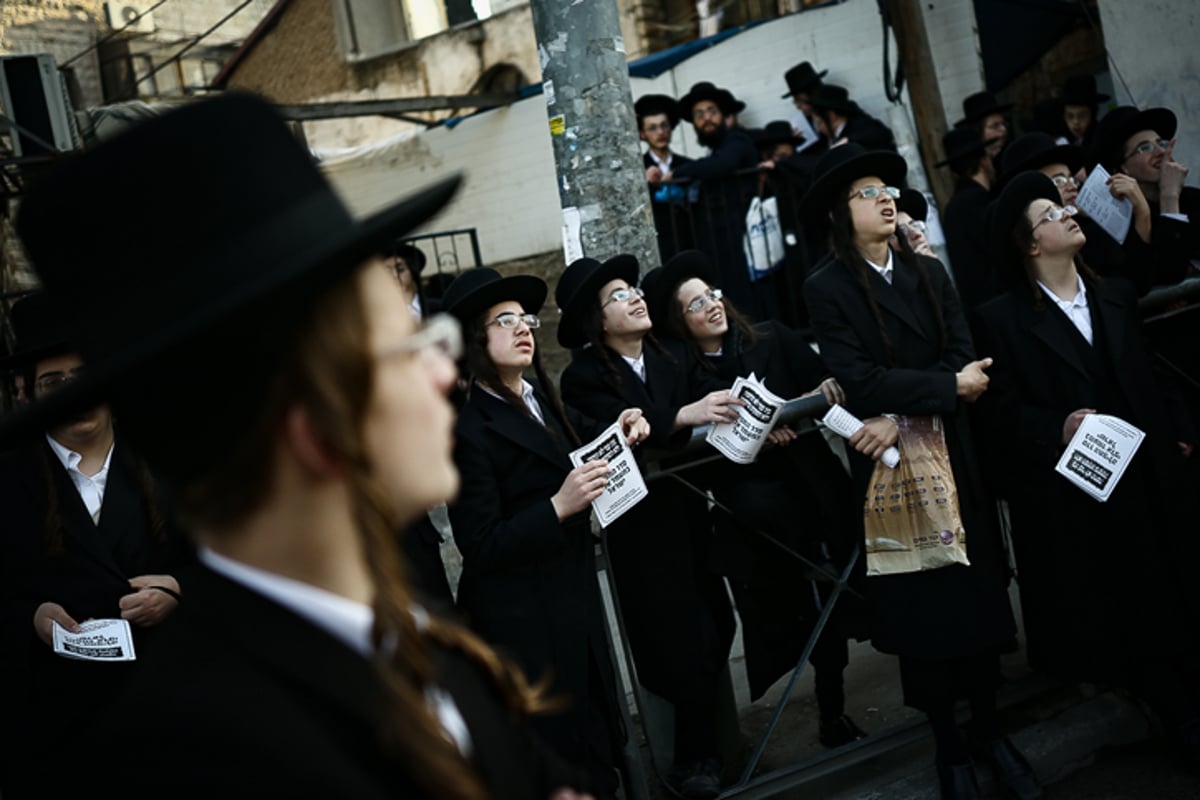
[{"x": 370, "y": 28}]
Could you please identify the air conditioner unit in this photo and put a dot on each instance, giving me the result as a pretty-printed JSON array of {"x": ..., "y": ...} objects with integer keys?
[
  {"x": 34, "y": 95},
  {"x": 130, "y": 17}
]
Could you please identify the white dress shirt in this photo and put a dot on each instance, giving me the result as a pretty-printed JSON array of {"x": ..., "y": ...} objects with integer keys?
[
  {"x": 886, "y": 270},
  {"x": 638, "y": 364},
  {"x": 1076, "y": 308},
  {"x": 527, "y": 396},
  {"x": 90, "y": 487}
]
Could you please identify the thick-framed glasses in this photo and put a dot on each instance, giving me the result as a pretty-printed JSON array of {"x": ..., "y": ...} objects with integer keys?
[
  {"x": 872, "y": 192},
  {"x": 1146, "y": 148},
  {"x": 1057, "y": 214},
  {"x": 441, "y": 334},
  {"x": 54, "y": 381},
  {"x": 509, "y": 321},
  {"x": 711, "y": 297},
  {"x": 1063, "y": 180},
  {"x": 623, "y": 296},
  {"x": 911, "y": 229}
]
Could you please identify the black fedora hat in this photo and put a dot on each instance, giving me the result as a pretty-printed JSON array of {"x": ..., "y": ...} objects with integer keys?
[
  {"x": 834, "y": 98},
  {"x": 38, "y": 330},
  {"x": 661, "y": 283},
  {"x": 913, "y": 203},
  {"x": 1016, "y": 196},
  {"x": 577, "y": 288},
  {"x": 963, "y": 142},
  {"x": 1080, "y": 90},
  {"x": 1034, "y": 151},
  {"x": 803, "y": 78},
  {"x": 731, "y": 103},
  {"x": 706, "y": 91},
  {"x": 649, "y": 105},
  {"x": 266, "y": 236},
  {"x": 980, "y": 105},
  {"x": 414, "y": 257},
  {"x": 776, "y": 132},
  {"x": 1122, "y": 122},
  {"x": 843, "y": 165},
  {"x": 478, "y": 289}
]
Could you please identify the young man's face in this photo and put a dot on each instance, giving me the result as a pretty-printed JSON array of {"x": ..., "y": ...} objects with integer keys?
[
  {"x": 1145, "y": 166},
  {"x": 1078, "y": 119},
  {"x": 55, "y": 373},
  {"x": 656, "y": 131},
  {"x": 801, "y": 100}
]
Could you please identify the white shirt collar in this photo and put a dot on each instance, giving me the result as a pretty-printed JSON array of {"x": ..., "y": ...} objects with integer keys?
[
  {"x": 90, "y": 487},
  {"x": 886, "y": 268},
  {"x": 1078, "y": 301},
  {"x": 527, "y": 396},
  {"x": 638, "y": 364},
  {"x": 665, "y": 166}
]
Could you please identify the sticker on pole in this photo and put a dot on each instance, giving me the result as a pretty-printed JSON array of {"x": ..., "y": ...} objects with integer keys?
[{"x": 558, "y": 125}]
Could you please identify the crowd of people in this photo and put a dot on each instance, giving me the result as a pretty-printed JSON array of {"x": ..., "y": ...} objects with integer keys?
[{"x": 239, "y": 455}]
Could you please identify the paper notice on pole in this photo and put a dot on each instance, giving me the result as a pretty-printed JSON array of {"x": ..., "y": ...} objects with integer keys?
[
  {"x": 625, "y": 486},
  {"x": 98, "y": 640},
  {"x": 572, "y": 224},
  {"x": 845, "y": 424},
  {"x": 740, "y": 440},
  {"x": 1098, "y": 453},
  {"x": 1112, "y": 214}
]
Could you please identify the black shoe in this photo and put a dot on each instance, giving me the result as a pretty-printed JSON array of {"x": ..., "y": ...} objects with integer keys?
[
  {"x": 1012, "y": 770},
  {"x": 839, "y": 731},
  {"x": 958, "y": 781}
]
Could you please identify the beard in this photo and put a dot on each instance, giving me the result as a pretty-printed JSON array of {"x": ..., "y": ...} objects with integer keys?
[{"x": 711, "y": 139}]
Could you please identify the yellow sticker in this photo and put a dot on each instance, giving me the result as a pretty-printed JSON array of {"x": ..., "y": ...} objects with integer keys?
[{"x": 558, "y": 125}]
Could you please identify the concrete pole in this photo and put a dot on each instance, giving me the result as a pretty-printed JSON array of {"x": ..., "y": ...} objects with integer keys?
[{"x": 585, "y": 80}]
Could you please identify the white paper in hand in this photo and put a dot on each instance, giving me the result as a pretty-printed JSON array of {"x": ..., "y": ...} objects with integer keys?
[
  {"x": 740, "y": 440},
  {"x": 1112, "y": 214},
  {"x": 98, "y": 640},
  {"x": 845, "y": 424},
  {"x": 1098, "y": 453},
  {"x": 625, "y": 486}
]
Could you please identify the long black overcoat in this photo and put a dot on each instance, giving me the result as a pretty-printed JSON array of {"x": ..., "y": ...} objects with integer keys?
[
  {"x": 1094, "y": 577},
  {"x": 917, "y": 377},
  {"x": 529, "y": 583}
]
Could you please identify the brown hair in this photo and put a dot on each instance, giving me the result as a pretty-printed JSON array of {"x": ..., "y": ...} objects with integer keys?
[
  {"x": 677, "y": 325},
  {"x": 329, "y": 372},
  {"x": 1017, "y": 246}
]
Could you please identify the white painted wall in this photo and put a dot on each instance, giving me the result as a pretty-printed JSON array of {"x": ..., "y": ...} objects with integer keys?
[
  {"x": 1152, "y": 45},
  {"x": 510, "y": 193}
]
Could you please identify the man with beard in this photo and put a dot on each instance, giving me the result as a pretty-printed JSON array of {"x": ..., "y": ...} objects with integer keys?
[
  {"x": 727, "y": 182},
  {"x": 657, "y": 116},
  {"x": 983, "y": 113}
]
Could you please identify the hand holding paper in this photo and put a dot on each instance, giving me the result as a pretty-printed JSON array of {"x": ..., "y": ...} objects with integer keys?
[{"x": 845, "y": 424}]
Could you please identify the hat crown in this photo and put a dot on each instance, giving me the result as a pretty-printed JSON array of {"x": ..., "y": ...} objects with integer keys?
[
  {"x": 466, "y": 283},
  {"x": 37, "y": 327},
  {"x": 979, "y": 105},
  {"x": 1080, "y": 90},
  {"x": 581, "y": 278},
  {"x": 1012, "y": 202},
  {"x": 802, "y": 77}
]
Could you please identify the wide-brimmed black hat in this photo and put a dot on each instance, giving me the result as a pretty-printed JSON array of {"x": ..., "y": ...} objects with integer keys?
[
  {"x": 38, "y": 330},
  {"x": 414, "y": 257},
  {"x": 913, "y": 203},
  {"x": 707, "y": 91},
  {"x": 179, "y": 331},
  {"x": 1122, "y": 122},
  {"x": 649, "y": 105},
  {"x": 1034, "y": 151},
  {"x": 834, "y": 98},
  {"x": 1080, "y": 90},
  {"x": 661, "y": 283},
  {"x": 776, "y": 132},
  {"x": 803, "y": 78},
  {"x": 734, "y": 105},
  {"x": 963, "y": 142},
  {"x": 842, "y": 166},
  {"x": 980, "y": 105},
  {"x": 478, "y": 289},
  {"x": 577, "y": 288},
  {"x": 1014, "y": 199}
]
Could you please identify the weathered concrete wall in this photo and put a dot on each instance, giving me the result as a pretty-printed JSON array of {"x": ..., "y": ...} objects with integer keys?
[{"x": 1152, "y": 43}]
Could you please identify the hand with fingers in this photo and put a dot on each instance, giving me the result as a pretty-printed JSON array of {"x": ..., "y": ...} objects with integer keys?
[
  {"x": 583, "y": 485},
  {"x": 1171, "y": 177},
  {"x": 1124, "y": 187},
  {"x": 1072, "y": 423},
  {"x": 45, "y": 617},
  {"x": 634, "y": 425},
  {"x": 783, "y": 435},
  {"x": 153, "y": 599},
  {"x": 715, "y": 407},
  {"x": 971, "y": 382},
  {"x": 834, "y": 394},
  {"x": 875, "y": 436}
]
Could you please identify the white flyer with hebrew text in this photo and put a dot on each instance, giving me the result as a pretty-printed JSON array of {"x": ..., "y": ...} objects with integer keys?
[
  {"x": 1098, "y": 453},
  {"x": 740, "y": 440},
  {"x": 626, "y": 486},
  {"x": 97, "y": 640}
]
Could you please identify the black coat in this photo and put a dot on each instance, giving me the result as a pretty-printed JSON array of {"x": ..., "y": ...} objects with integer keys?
[
  {"x": 529, "y": 583},
  {"x": 248, "y": 698},
  {"x": 869, "y": 132},
  {"x": 1094, "y": 577},
  {"x": 967, "y": 246},
  {"x": 676, "y": 612},
  {"x": 673, "y": 218},
  {"x": 918, "y": 379}
]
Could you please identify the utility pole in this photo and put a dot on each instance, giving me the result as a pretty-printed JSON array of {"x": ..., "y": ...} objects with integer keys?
[
  {"x": 589, "y": 105},
  {"x": 908, "y": 23}
]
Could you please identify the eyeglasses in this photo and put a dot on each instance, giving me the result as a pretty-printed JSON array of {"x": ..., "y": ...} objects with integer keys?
[
  {"x": 509, "y": 321},
  {"x": 707, "y": 111},
  {"x": 712, "y": 296},
  {"x": 441, "y": 334},
  {"x": 623, "y": 296},
  {"x": 1057, "y": 214},
  {"x": 871, "y": 192},
  {"x": 1149, "y": 147},
  {"x": 54, "y": 381},
  {"x": 1062, "y": 180},
  {"x": 656, "y": 127},
  {"x": 913, "y": 228}
]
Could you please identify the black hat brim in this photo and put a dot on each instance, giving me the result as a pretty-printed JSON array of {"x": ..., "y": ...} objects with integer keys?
[
  {"x": 1070, "y": 154},
  {"x": 984, "y": 113},
  {"x": 570, "y": 324},
  {"x": 976, "y": 149},
  {"x": 1016, "y": 196},
  {"x": 528, "y": 290},
  {"x": 1111, "y": 144},
  {"x": 722, "y": 100},
  {"x": 890, "y": 167},
  {"x": 815, "y": 79},
  {"x": 338, "y": 256},
  {"x": 413, "y": 256},
  {"x": 683, "y": 266}
]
